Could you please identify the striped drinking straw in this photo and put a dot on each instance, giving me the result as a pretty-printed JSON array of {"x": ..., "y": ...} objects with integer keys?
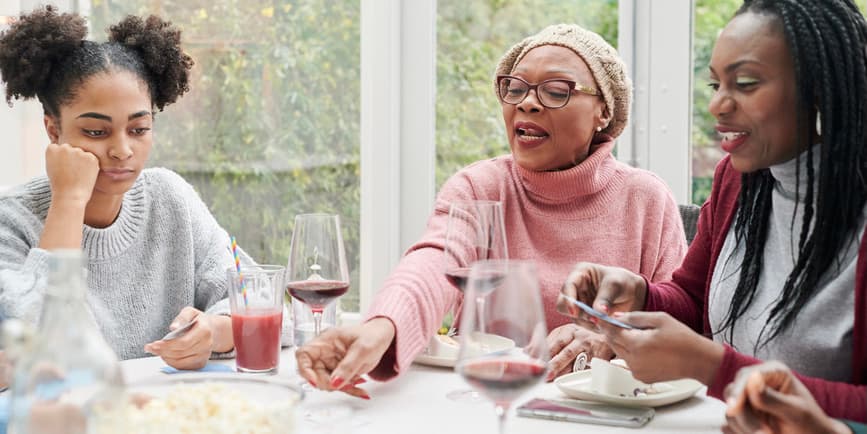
[{"x": 238, "y": 268}]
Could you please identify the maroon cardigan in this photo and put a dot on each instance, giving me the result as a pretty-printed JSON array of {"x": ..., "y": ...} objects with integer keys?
[{"x": 685, "y": 297}]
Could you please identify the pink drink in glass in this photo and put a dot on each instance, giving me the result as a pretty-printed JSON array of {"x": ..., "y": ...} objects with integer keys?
[{"x": 257, "y": 339}]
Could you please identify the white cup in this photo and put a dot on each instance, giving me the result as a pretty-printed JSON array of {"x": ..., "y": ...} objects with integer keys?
[{"x": 613, "y": 379}]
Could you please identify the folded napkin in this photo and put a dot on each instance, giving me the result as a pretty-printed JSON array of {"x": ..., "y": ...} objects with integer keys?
[{"x": 210, "y": 367}]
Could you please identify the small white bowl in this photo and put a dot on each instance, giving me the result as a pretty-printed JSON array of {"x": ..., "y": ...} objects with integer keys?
[{"x": 443, "y": 346}]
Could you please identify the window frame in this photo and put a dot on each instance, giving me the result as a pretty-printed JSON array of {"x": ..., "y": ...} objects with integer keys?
[
  {"x": 398, "y": 150},
  {"x": 658, "y": 137}
]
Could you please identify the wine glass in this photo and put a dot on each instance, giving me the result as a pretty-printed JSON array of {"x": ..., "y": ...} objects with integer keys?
[
  {"x": 475, "y": 232},
  {"x": 317, "y": 273},
  {"x": 512, "y": 311}
]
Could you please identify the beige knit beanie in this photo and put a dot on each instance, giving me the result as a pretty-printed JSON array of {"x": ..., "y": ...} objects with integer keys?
[{"x": 604, "y": 62}]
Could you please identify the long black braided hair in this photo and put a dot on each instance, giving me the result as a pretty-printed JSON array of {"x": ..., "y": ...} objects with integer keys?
[{"x": 827, "y": 41}]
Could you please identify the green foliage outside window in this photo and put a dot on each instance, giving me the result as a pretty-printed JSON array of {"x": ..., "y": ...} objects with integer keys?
[
  {"x": 271, "y": 126},
  {"x": 710, "y": 16}
]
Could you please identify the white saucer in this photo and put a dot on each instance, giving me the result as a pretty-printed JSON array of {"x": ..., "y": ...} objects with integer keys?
[
  {"x": 578, "y": 385},
  {"x": 443, "y": 362},
  {"x": 494, "y": 343}
]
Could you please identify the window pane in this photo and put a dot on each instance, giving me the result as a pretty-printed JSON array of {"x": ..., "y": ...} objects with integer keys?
[
  {"x": 471, "y": 37},
  {"x": 271, "y": 126},
  {"x": 710, "y": 17}
]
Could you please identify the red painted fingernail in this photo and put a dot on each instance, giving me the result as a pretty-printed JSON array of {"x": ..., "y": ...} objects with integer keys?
[
  {"x": 365, "y": 396},
  {"x": 359, "y": 381},
  {"x": 336, "y": 382},
  {"x": 312, "y": 383}
]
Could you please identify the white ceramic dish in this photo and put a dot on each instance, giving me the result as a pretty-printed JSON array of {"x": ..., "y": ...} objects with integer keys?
[
  {"x": 494, "y": 343},
  {"x": 579, "y": 385}
]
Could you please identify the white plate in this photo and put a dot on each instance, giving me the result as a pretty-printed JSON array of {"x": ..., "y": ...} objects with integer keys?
[
  {"x": 578, "y": 385},
  {"x": 495, "y": 343}
]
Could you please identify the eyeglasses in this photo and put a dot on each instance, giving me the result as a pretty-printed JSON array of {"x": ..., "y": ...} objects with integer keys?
[{"x": 552, "y": 94}]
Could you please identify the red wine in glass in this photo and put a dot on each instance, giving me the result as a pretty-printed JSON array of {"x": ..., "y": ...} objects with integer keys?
[
  {"x": 317, "y": 273},
  {"x": 317, "y": 293},
  {"x": 502, "y": 380},
  {"x": 503, "y": 375},
  {"x": 459, "y": 277}
]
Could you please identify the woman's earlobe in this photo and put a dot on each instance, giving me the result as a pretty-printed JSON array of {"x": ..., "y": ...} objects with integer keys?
[{"x": 51, "y": 128}]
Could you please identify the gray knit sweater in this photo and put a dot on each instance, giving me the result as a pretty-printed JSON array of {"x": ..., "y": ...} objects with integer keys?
[
  {"x": 165, "y": 251},
  {"x": 819, "y": 342}
]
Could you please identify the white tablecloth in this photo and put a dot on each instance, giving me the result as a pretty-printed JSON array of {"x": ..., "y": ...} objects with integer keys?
[{"x": 416, "y": 403}]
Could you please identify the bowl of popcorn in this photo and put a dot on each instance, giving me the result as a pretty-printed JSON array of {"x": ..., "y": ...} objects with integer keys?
[{"x": 227, "y": 403}]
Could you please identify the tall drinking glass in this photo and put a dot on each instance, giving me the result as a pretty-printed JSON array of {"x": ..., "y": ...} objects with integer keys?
[
  {"x": 512, "y": 310},
  {"x": 256, "y": 302},
  {"x": 475, "y": 232},
  {"x": 317, "y": 273}
]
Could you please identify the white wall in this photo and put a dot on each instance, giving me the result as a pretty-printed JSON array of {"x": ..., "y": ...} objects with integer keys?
[
  {"x": 22, "y": 137},
  {"x": 23, "y": 142}
]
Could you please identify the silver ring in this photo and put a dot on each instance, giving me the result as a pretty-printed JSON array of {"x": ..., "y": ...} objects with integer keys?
[{"x": 580, "y": 362}]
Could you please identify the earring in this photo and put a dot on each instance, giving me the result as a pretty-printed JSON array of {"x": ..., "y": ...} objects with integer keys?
[
  {"x": 818, "y": 123},
  {"x": 598, "y": 129}
]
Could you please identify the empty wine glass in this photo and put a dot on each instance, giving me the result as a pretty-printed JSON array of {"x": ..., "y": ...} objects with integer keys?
[
  {"x": 475, "y": 232},
  {"x": 512, "y": 312},
  {"x": 317, "y": 273}
]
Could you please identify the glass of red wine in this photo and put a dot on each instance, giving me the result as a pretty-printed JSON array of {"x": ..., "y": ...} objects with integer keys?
[
  {"x": 512, "y": 313},
  {"x": 475, "y": 232},
  {"x": 317, "y": 273}
]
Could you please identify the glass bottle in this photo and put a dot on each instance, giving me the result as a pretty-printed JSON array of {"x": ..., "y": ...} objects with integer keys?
[{"x": 69, "y": 371}]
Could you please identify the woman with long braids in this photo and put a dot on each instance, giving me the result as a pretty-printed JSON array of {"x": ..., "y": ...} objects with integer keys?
[
  {"x": 156, "y": 256},
  {"x": 778, "y": 268}
]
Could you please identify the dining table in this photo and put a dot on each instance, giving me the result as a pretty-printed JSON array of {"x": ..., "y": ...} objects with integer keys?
[{"x": 416, "y": 403}]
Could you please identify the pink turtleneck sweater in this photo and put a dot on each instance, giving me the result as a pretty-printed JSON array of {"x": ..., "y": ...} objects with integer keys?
[{"x": 600, "y": 211}]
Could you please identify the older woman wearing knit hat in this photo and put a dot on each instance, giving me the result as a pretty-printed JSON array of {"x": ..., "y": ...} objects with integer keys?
[{"x": 565, "y": 97}]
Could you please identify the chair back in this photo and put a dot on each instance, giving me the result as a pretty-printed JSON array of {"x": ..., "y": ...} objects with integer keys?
[{"x": 689, "y": 216}]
